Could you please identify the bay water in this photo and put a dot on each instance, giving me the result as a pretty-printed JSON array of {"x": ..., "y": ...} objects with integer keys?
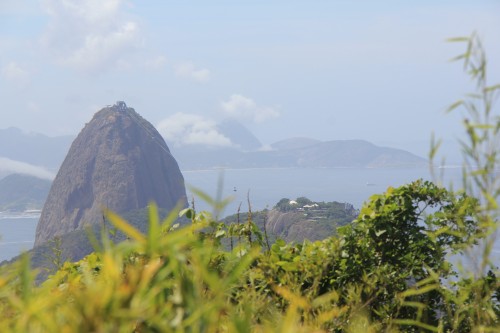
[
  {"x": 265, "y": 187},
  {"x": 17, "y": 233}
]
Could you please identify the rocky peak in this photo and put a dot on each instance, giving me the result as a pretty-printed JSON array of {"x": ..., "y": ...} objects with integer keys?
[{"x": 118, "y": 161}]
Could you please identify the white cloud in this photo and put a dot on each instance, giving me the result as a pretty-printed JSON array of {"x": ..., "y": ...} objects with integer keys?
[
  {"x": 266, "y": 147},
  {"x": 241, "y": 107},
  {"x": 158, "y": 62},
  {"x": 89, "y": 35},
  {"x": 188, "y": 70},
  {"x": 14, "y": 73},
  {"x": 13, "y": 166},
  {"x": 185, "y": 129},
  {"x": 32, "y": 107}
]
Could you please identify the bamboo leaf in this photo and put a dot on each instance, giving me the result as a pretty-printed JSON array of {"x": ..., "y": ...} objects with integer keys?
[
  {"x": 332, "y": 296},
  {"x": 154, "y": 228},
  {"x": 459, "y": 57},
  {"x": 458, "y": 39},
  {"x": 435, "y": 145},
  {"x": 492, "y": 88},
  {"x": 297, "y": 300},
  {"x": 171, "y": 217},
  {"x": 417, "y": 305},
  {"x": 474, "y": 95},
  {"x": 203, "y": 196},
  {"x": 454, "y": 106},
  {"x": 483, "y": 126},
  {"x": 127, "y": 229},
  {"x": 491, "y": 201},
  {"x": 412, "y": 322},
  {"x": 420, "y": 291},
  {"x": 26, "y": 277}
]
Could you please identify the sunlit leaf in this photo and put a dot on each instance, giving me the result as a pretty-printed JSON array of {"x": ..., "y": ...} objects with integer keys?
[
  {"x": 204, "y": 196},
  {"x": 455, "y": 105},
  {"x": 458, "y": 39},
  {"x": 125, "y": 227},
  {"x": 154, "y": 227}
]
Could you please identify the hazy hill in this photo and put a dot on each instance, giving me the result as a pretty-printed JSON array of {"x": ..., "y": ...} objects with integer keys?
[
  {"x": 294, "y": 143},
  {"x": 21, "y": 192},
  {"x": 34, "y": 148},
  {"x": 330, "y": 154},
  {"x": 239, "y": 135},
  {"x": 354, "y": 153}
]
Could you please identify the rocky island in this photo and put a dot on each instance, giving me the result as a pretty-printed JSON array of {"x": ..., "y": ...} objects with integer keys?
[{"x": 118, "y": 161}]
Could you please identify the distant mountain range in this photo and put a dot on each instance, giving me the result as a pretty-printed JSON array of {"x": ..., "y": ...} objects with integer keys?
[
  {"x": 247, "y": 152},
  {"x": 294, "y": 143},
  {"x": 295, "y": 153}
]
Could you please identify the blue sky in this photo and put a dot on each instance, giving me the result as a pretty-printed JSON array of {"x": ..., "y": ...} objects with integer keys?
[{"x": 373, "y": 70}]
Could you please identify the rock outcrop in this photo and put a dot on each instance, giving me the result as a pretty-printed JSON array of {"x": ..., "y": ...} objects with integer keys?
[{"x": 118, "y": 161}]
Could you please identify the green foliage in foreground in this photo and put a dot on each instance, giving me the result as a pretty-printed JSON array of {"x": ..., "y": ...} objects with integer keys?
[{"x": 388, "y": 271}]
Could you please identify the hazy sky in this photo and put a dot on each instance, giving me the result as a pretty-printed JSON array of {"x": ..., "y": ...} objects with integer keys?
[{"x": 374, "y": 70}]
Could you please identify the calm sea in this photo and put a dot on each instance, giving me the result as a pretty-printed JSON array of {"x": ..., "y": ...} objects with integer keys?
[
  {"x": 16, "y": 234},
  {"x": 264, "y": 187}
]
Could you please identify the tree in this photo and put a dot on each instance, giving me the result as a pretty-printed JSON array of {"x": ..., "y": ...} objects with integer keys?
[
  {"x": 302, "y": 201},
  {"x": 399, "y": 243},
  {"x": 284, "y": 205}
]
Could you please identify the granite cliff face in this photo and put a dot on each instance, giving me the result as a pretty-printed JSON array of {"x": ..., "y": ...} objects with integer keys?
[{"x": 118, "y": 161}]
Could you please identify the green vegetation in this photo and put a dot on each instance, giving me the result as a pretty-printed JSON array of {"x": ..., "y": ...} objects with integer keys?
[
  {"x": 300, "y": 219},
  {"x": 387, "y": 271}
]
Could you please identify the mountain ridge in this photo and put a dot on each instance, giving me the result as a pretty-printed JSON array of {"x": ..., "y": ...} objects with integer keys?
[
  {"x": 327, "y": 154},
  {"x": 248, "y": 152}
]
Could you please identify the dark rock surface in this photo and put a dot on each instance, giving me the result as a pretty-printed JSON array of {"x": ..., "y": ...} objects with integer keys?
[{"x": 118, "y": 161}]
